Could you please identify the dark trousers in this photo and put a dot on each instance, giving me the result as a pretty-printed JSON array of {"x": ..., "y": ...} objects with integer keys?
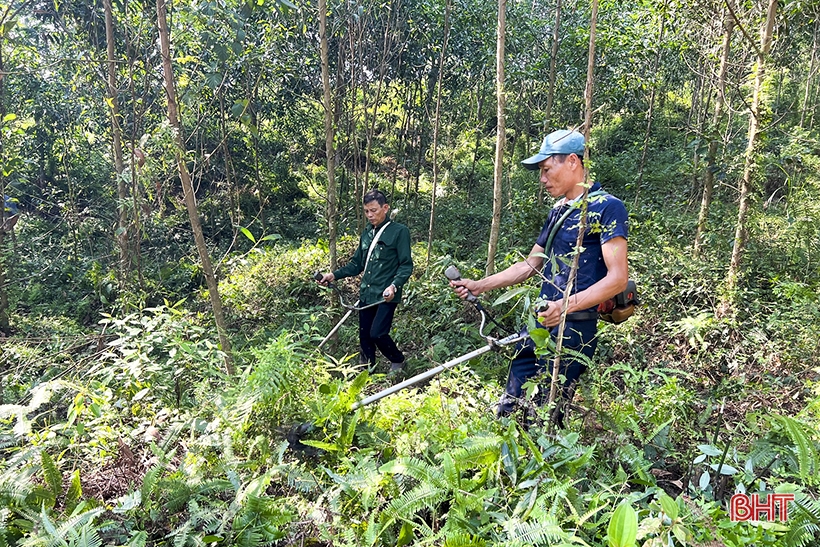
[
  {"x": 374, "y": 332},
  {"x": 579, "y": 336}
]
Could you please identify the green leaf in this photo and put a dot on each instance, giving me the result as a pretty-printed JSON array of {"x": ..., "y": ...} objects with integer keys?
[
  {"x": 681, "y": 533},
  {"x": 540, "y": 336},
  {"x": 725, "y": 469},
  {"x": 74, "y": 493},
  {"x": 623, "y": 527},
  {"x": 710, "y": 450},
  {"x": 321, "y": 445},
  {"x": 127, "y": 502},
  {"x": 509, "y": 295},
  {"x": 669, "y": 506},
  {"x": 247, "y": 234},
  {"x": 807, "y": 457},
  {"x": 52, "y": 475},
  {"x": 703, "y": 483},
  {"x": 405, "y": 535}
]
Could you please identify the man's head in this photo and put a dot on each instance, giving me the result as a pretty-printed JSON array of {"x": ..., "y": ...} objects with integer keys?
[
  {"x": 375, "y": 207},
  {"x": 561, "y": 161},
  {"x": 560, "y": 142}
]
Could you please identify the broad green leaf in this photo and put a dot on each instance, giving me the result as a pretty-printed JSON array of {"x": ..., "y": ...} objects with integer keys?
[
  {"x": 540, "y": 336},
  {"x": 725, "y": 469},
  {"x": 670, "y": 507},
  {"x": 703, "y": 483},
  {"x": 681, "y": 533},
  {"x": 623, "y": 527},
  {"x": 128, "y": 502},
  {"x": 405, "y": 535},
  {"x": 320, "y": 445},
  {"x": 710, "y": 450}
]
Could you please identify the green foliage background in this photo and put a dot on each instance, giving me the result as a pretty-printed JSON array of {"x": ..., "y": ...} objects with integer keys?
[{"x": 118, "y": 425}]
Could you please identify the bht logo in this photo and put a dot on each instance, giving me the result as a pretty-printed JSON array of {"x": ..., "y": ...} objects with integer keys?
[{"x": 751, "y": 506}]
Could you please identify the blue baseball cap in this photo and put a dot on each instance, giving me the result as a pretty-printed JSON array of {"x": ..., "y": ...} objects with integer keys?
[{"x": 562, "y": 141}]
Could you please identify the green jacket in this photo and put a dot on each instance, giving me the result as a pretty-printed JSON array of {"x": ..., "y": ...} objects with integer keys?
[{"x": 390, "y": 262}]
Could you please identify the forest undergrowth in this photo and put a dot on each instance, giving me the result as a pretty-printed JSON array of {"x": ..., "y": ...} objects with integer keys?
[{"x": 131, "y": 433}]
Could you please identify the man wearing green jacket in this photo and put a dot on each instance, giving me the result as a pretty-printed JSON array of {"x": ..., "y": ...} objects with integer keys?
[{"x": 383, "y": 258}]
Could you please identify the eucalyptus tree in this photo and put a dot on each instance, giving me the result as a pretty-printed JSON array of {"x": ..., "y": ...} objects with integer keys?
[
  {"x": 653, "y": 86},
  {"x": 500, "y": 137},
  {"x": 756, "y": 121},
  {"x": 116, "y": 134},
  {"x": 436, "y": 127},
  {"x": 711, "y": 155},
  {"x": 187, "y": 186},
  {"x": 588, "y": 110},
  {"x": 809, "y": 95},
  {"x": 327, "y": 103},
  {"x": 9, "y": 154}
]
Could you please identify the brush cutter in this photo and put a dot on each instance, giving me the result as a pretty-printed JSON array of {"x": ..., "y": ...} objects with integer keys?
[
  {"x": 296, "y": 433},
  {"x": 453, "y": 274},
  {"x": 491, "y": 345},
  {"x": 350, "y": 309}
]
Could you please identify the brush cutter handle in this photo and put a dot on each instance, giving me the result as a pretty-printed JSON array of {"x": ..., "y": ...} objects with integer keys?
[
  {"x": 453, "y": 274},
  {"x": 318, "y": 276}
]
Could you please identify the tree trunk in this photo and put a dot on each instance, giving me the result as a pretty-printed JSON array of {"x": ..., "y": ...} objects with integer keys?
[
  {"x": 559, "y": 340},
  {"x": 810, "y": 76},
  {"x": 187, "y": 186},
  {"x": 499, "y": 138},
  {"x": 756, "y": 110},
  {"x": 371, "y": 127},
  {"x": 353, "y": 125},
  {"x": 400, "y": 147},
  {"x": 652, "y": 93},
  {"x": 551, "y": 89},
  {"x": 553, "y": 64},
  {"x": 436, "y": 125},
  {"x": 711, "y": 155},
  {"x": 479, "y": 132},
  {"x": 116, "y": 134},
  {"x": 332, "y": 197}
]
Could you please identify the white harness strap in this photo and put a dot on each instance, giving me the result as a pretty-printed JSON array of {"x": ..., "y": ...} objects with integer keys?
[{"x": 373, "y": 244}]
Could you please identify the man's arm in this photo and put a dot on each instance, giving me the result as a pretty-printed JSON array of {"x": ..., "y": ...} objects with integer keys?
[
  {"x": 513, "y": 275},
  {"x": 614, "y": 282},
  {"x": 354, "y": 266}
]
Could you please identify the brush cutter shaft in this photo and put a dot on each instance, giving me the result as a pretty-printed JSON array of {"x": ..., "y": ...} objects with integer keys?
[
  {"x": 512, "y": 339},
  {"x": 332, "y": 332}
]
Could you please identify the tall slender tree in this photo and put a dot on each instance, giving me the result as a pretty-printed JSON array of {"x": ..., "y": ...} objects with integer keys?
[
  {"x": 116, "y": 143},
  {"x": 711, "y": 154},
  {"x": 500, "y": 138},
  {"x": 756, "y": 110},
  {"x": 652, "y": 94},
  {"x": 187, "y": 186},
  {"x": 556, "y": 35},
  {"x": 327, "y": 103},
  {"x": 588, "y": 89},
  {"x": 436, "y": 127}
]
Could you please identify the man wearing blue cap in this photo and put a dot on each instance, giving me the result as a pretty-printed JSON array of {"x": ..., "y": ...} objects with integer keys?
[{"x": 602, "y": 268}]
